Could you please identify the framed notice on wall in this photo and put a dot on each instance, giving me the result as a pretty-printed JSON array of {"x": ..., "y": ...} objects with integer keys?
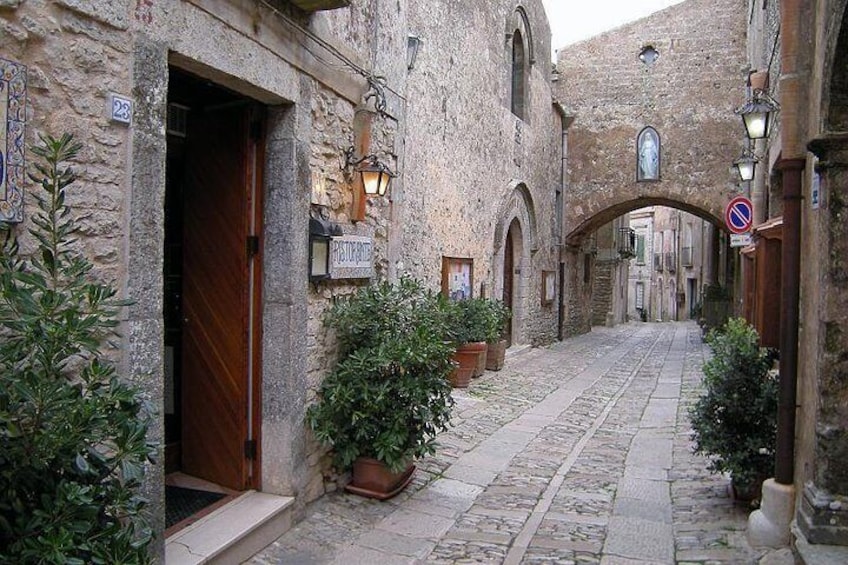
[
  {"x": 548, "y": 287},
  {"x": 457, "y": 277}
]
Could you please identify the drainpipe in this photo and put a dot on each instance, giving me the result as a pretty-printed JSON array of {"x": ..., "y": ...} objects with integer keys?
[
  {"x": 792, "y": 162},
  {"x": 567, "y": 120}
]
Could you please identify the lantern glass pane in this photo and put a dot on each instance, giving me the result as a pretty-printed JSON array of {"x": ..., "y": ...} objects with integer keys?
[
  {"x": 320, "y": 256},
  {"x": 755, "y": 124},
  {"x": 746, "y": 170},
  {"x": 371, "y": 182}
]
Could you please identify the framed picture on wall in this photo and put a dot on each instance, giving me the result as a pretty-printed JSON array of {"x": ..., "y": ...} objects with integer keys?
[
  {"x": 457, "y": 277},
  {"x": 548, "y": 287}
]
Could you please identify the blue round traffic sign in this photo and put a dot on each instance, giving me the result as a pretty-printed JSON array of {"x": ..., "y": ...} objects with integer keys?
[{"x": 739, "y": 215}]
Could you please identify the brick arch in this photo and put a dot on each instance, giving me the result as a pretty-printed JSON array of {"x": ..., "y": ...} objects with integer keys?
[{"x": 586, "y": 223}]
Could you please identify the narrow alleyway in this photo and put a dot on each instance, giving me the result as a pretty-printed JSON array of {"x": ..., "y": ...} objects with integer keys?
[{"x": 577, "y": 453}]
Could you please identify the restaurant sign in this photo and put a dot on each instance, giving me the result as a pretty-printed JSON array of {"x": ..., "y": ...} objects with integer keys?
[{"x": 351, "y": 257}]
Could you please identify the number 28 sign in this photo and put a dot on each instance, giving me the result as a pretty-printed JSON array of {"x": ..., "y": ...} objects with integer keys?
[{"x": 739, "y": 215}]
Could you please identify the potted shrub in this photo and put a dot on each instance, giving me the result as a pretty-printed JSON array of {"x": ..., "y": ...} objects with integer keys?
[
  {"x": 467, "y": 327},
  {"x": 73, "y": 431},
  {"x": 735, "y": 420},
  {"x": 388, "y": 396},
  {"x": 498, "y": 316}
]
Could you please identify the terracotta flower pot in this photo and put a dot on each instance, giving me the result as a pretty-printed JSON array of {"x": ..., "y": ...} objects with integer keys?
[
  {"x": 373, "y": 479},
  {"x": 495, "y": 354},
  {"x": 466, "y": 357},
  {"x": 480, "y": 367}
]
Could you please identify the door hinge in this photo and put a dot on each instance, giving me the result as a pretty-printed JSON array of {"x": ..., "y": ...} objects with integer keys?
[
  {"x": 252, "y": 246},
  {"x": 250, "y": 449}
]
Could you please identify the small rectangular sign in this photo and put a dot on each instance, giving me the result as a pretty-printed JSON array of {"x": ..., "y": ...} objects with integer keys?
[
  {"x": 120, "y": 109},
  {"x": 351, "y": 257},
  {"x": 740, "y": 239},
  {"x": 815, "y": 191}
]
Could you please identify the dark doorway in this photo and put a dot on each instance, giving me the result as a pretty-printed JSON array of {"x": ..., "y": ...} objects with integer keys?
[
  {"x": 510, "y": 270},
  {"x": 213, "y": 214}
]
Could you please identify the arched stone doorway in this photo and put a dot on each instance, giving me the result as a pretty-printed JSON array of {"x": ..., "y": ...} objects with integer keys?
[{"x": 514, "y": 245}]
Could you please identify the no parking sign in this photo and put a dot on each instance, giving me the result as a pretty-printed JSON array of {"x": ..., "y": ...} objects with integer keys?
[{"x": 739, "y": 215}]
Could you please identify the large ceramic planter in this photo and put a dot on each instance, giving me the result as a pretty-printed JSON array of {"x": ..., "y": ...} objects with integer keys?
[
  {"x": 495, "y": 355},
  {"x": 466, "y": 357},
  {"x": 373, "y": 479}
]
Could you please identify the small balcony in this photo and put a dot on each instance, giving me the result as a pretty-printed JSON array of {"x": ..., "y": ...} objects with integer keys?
[{"x": 626, "y": 243}]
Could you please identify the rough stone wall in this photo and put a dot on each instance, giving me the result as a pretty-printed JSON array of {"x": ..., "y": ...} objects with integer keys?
[
  {"x": 469, "y": 162},
  {"x": 602, "y": 295},
  {"x": 821, "y": 447},
  {"x": 688, "y": 95}
]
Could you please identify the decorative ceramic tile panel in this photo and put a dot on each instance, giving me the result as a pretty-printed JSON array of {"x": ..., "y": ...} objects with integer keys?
[{"x": 12, "y": 127}]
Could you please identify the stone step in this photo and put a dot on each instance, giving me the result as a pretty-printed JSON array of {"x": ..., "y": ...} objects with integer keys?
[{"x": 232, "y": 533}]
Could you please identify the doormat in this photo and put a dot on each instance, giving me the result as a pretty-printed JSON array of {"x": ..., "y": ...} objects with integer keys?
[{"x": 181, "y": 503}]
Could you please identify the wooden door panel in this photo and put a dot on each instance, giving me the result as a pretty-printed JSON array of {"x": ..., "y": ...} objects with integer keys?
[
  {"x": 215, "y": 297},
  {"x": 509, "y": 266}
]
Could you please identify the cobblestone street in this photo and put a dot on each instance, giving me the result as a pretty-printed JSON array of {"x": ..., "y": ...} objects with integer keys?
[{"x": 574, "y": 453}]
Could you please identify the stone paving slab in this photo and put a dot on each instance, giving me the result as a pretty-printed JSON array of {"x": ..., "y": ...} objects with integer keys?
[{"x": 577, "y": 453}]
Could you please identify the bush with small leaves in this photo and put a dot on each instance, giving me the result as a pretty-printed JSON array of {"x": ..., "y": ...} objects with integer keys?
[
  {"x": 735, "y": 420},
  {"x": 73, "y": 435}
]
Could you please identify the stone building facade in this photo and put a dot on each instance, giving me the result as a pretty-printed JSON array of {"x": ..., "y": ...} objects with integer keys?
[
  {"x": 214, "y": 133},
  {"x": 802, "y": 47},
  {"x": 675, "y": 259},
  {"x": 675, "y": 75}
]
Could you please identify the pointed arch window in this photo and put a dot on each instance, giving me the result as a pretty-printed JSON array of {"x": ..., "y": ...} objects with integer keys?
[
  {"x": 648, "y": 155},
  {"x": 518, "y": 74}
]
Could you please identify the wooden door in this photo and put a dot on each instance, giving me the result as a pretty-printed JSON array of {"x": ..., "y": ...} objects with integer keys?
[
  {"x": 217, "y": 295},
  {"x": 509, "y": 270}
]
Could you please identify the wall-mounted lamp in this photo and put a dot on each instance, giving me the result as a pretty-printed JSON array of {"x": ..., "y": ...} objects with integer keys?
[
  {"x": 413, "y": 44},
  {"x": 756, "y": 114},
  {"x": 746, "y": 164},
  {"x": 376, "y": 176},
  {"x": 320, "y": 233}
]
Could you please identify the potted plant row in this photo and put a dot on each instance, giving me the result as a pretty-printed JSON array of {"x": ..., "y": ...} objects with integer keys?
[
  {"x": 474, "y": 324},
  {"x": 389, "y": 395}
]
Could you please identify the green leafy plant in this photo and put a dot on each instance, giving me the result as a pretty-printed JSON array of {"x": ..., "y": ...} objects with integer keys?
[
  {"x": 72, "y": 433},
  {"x": 469, "y": 320},
  {"x": 735, "y": 420},
  {"x": 497, "y": 316},
  {"x": 389, "y": 395}
]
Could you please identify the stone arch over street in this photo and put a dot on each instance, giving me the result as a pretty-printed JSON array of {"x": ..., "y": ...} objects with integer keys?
[
  {"x": 516, "y": 240},
  {"x": 582, "y": 222}
]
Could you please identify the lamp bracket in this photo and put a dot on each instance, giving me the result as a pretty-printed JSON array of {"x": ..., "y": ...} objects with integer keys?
[
  {"x": 759, "y": 97},
  {"x": 350, "y": 160},
  {"x": 377, "y": 92}
]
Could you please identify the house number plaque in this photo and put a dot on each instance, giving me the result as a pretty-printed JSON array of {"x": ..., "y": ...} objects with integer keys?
[{"x": 12, "y": 140}]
